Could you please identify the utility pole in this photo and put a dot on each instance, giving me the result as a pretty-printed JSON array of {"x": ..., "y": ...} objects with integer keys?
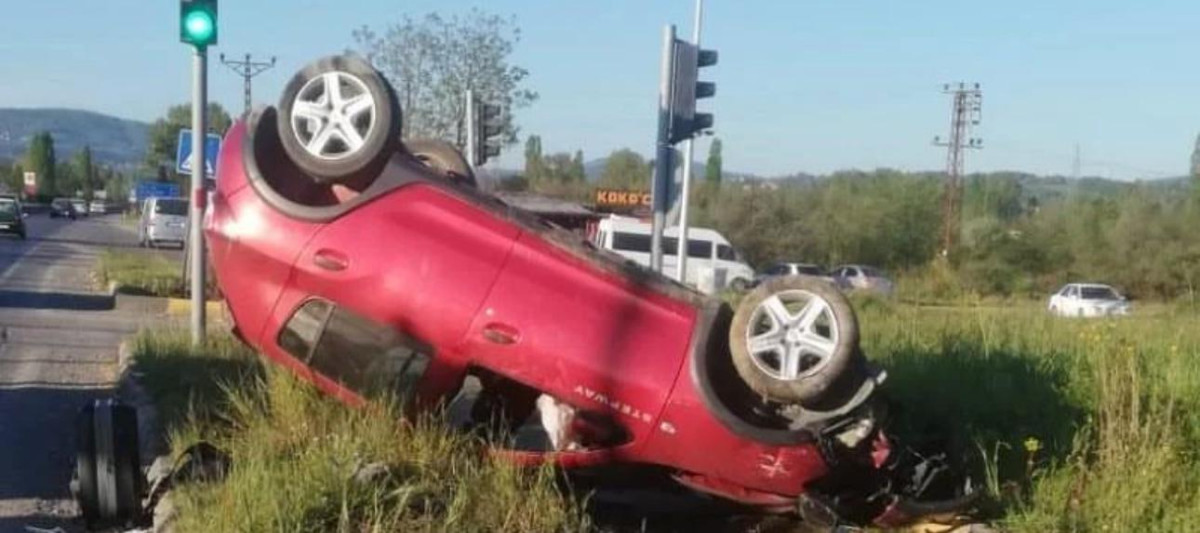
[
  {"x": 664, "y": 150},
  {"x": 1077, "y": 165},
  {"x": 681, "y": 252},
  {"x": 248, "y": 69},
  {"x": 966, "y": 113}
]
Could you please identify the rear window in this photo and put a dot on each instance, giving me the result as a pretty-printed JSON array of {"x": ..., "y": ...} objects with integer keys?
[
  {"x": 370, "y": 358},
  {"x": 170, "y": 206}
]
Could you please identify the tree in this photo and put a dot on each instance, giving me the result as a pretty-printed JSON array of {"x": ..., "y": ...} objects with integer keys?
[
  {"x": 40, "y": 159},
  {"x": 626, "y": 169},
  {"x": 533, "y": 159},
  {"x": 578, "y": 173},
  {"x": 432, "y": 62},
  {"x": 84, "y": 172},
  {"x": 712, "y": 169},
  {"x": 163, "y": 137}
]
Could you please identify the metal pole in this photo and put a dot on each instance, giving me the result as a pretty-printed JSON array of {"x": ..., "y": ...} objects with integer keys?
[
  {"x": 246, "y": 81},
  {"x": 195, "y": 232},
  {"x": 681, "y": 253},
  {"x": 662, "y": 161},
  {"x": 470, "y": 120}
]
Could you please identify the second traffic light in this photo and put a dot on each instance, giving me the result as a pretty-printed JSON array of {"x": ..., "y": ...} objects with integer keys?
[
  {"x": 489, "y": 127},
  {"x": 198, "y": 22},
  {"x": 687, "y": 88}
]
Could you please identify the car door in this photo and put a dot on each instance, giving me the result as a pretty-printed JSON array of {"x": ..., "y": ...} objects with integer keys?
[{"x": 419, "y": 259}]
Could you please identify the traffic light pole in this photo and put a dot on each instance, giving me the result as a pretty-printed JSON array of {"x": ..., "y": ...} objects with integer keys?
[
  {"x": 663, "y": 150},
  {"x": 198, "y": 196},
  {"x": 681, "y": 253},
  {"x": 472, "y": 129}
]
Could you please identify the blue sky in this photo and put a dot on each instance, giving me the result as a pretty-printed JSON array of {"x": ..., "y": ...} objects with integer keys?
[{"x": 808, "y": 86}]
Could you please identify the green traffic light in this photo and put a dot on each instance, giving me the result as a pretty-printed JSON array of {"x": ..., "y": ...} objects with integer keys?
[{"x": 199, "y": 26}]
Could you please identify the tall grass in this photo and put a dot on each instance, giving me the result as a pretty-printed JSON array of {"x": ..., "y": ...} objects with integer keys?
[
  {"x": 1080, "y": 426},
  {"x": 141, "y": 273},
  {"x": 296, "y": 454}
]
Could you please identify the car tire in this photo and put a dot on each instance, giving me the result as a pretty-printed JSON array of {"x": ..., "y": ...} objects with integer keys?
[
  {"x": 812, "y": 346},
  {"x": 317, "y": 134},
  {"x": 443, "y": 158}
]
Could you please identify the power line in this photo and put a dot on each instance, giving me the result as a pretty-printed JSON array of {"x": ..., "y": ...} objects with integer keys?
[
  {"x": 966, "y": 113},
  {"x": 248, "y": 69}
]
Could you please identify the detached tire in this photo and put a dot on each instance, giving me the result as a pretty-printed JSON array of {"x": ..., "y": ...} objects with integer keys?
[
  {"x": 339, "y": 120},
  {"x": 792, "y": 338},
  {"x": 443, "y": 158}
]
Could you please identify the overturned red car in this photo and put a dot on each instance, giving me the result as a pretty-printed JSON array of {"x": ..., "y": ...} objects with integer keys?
[{"x": 368, "y": 264}]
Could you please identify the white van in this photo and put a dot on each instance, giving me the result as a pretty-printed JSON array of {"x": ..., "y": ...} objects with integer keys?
[
  {"x": 163, "y": 220},
  {"x": 708, "y": 250}
]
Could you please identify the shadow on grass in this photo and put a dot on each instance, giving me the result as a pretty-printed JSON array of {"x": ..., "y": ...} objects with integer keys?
[
  {"x": 190, "y": 383},
  {"x": 982, "y": 404}
]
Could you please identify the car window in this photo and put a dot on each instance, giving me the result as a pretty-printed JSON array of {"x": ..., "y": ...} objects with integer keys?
[
  {"x": 8, "y": 206},
  {"x": 809, "y": 270},
  {"x": 300, "y": 334},
  {"x": 700, "y": 249},
  {"x": 872, "y": 272},
  {"x": 170, "y": 206},
  {"x": 726, "y": 252},
  {"x": 1073, "y": 292},
  {"x": 1098, "y": 293},
  {"x": 631, "y": 242},
  {"x": 773, "y": 270}
]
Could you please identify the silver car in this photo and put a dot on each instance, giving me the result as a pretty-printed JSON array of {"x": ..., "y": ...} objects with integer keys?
[
  {"x": 792, "y": 269},
  {"x": 164, "y": 220},
  {"x": 864, "y": 278}
]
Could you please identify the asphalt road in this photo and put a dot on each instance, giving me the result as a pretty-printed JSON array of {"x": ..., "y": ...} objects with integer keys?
[{"x": 58, "y": 349}]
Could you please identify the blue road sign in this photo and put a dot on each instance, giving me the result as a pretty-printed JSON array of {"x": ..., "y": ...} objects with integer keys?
[
  {"x": 155, "y": 189},
  {"x": 183, "y": 155}
]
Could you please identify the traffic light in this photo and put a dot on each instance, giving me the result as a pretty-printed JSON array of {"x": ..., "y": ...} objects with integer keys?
[
  {"x": 489, "y": 127},
  {"x": 686, "y": 87},
  {"x": 198, "y": 22}
]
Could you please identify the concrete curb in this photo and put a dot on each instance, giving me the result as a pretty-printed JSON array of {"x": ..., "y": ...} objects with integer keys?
[{"x": 183, "y": 306}]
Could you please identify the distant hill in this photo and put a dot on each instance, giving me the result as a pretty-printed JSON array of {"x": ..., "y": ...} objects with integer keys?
[{"x": 114, "y": 141}]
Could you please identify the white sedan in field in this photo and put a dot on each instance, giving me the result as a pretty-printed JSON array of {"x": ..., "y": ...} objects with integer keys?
[{"x": 1088, "y": 300}]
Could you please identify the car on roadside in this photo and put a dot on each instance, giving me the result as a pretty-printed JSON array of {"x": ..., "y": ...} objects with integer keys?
[
  {"x": 1088, "y": 300},
  {"x": 785, "y": 268},
  {"x": 863, "y": 278},
  {"x": 63, "y": 208},
  {"x": 81, "y": 206},
  {"x": 97, "y": 207},
  {"x": 163, "y": 221},
  {"x": 12, "y": 216},
  {"x": 371, "y": 266}
]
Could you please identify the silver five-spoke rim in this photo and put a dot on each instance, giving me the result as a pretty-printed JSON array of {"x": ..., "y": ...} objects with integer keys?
[
  {"x": 333, "y": 115},
  {"x": 792, "y": 335}
]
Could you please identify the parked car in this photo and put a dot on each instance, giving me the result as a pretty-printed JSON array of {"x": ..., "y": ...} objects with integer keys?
[
  {"x": 865, "y": 278},
  {"x": 163, "y": 220},
  {"x": 793, "y": 269},
  {"x": 97, "y": 207},
  {"x": 370, "y": 265},
  {"x": 80, "y": 205},
  {"x": 12, "y": 216},
  {"x": 1088, "y": 300},
  {"x": 63, "y": 208},
  {"x": 707, "y": 248}
]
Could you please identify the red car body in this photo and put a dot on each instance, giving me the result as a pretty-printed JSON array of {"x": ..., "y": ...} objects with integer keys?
[{"x": 487, "y": 287}]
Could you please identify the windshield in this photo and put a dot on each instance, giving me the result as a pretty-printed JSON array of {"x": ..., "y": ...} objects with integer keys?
[
  {"x": 170, "y": 206},
  {"x": 1098, "y": 293}
]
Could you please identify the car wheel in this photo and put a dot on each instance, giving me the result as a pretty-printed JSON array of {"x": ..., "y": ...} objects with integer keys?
[
  {"x": 339, "y": 120},
  {"x": 442, "y": 157},
  {"x": 792, "y": 338}
]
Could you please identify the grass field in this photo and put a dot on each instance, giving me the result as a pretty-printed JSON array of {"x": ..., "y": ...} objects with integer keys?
[
  {"x": 1073, "y": 425},
  {"x": 141, "y": 273}
]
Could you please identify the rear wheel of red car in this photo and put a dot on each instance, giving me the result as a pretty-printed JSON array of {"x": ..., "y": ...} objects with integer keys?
[
  {"x": 339, "y": 120},
  {"x": 443, "y": 158},
  {"x": 792, "y": 338}
]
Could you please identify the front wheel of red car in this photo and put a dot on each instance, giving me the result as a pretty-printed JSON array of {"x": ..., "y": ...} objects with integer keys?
[
  {"x": 339, "y": 120},
  {"x": 792, "y": 338}
]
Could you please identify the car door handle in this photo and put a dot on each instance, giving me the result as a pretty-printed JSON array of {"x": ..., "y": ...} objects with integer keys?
[
  {"x": 330, "y": 260},
  {"x": 501, "y": 334}
]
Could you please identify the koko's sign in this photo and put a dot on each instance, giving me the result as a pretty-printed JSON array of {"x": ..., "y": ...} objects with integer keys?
[{"x": 622, "y": 198}]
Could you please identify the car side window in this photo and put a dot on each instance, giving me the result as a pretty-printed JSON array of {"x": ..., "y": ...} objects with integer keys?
[
  {"x": 1072, "y": 292},
  {"x": 774, "y": 270},
  {"x": 725, "y": 253},
  {"x": 370, "y": 358}
]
